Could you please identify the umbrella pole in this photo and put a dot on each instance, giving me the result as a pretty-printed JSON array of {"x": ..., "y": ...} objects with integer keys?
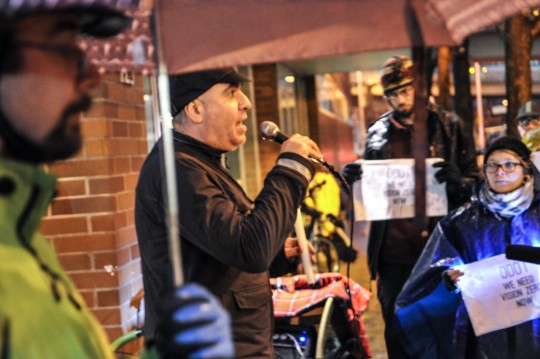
[
  {"x": 420, "y": 120},
  {"x": 419, "y": 142},
  {"x": 168, "y": 163},
  {"x": 479, "y": 107},
  {"x": 302, "y": 242}
]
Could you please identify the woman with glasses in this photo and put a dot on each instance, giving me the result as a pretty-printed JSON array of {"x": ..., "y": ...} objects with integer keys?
[{"x": 505, "y": 210}]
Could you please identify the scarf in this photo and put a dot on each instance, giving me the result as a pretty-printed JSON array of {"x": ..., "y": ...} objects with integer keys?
[{"x": 507, "y": 205}]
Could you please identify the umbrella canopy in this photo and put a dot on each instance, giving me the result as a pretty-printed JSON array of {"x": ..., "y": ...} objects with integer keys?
[
  {"x": 217, "y": 33},
  {"x": 198, "y": 35}
]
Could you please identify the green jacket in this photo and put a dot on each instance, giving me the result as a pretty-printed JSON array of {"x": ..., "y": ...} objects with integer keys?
[{"x": 41, "y": 312}]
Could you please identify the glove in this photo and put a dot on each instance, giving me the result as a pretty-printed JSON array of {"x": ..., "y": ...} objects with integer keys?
[
  {"x": 457, "y": 190},
  {"x": 352, "y": 172},
  {"x": 194, "y": 325},
  {"x": 448, "y": 173}
]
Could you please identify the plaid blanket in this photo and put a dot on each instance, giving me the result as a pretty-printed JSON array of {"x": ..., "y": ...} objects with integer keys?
[{"x": 293, "y": 296}]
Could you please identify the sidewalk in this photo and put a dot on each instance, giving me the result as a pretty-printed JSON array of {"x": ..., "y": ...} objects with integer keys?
[{"x": 373, "y": 320}]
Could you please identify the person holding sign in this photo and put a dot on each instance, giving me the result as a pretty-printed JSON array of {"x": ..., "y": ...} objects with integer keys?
[
  {"x": 394, "y": 245},
  {"x": 505, "y": 210}
]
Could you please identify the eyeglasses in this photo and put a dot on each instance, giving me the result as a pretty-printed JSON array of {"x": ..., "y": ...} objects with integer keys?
[
  {"x": 405, "y": 92},
  {"x": 524, "y": 121},
  {"x": 492, "y": 167},
  {"x": 65, "y": 51}
]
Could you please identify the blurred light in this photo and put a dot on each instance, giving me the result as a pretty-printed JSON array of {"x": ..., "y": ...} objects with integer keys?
[
  {"x": 505, "y": 102},
  {"x": 534, "y": 237},
  {"x": 484, "y": 69},
  {"x": 289, "y": 79},
  {"x": 536, "y": 12},
  {"x": 472, "y": 71},
  {"x": 302, "y": 339}
]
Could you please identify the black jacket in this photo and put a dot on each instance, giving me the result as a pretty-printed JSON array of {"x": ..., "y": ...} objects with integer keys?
[
  {"x": 446, "y": 139},
  {"x": 228, "y": 241}
]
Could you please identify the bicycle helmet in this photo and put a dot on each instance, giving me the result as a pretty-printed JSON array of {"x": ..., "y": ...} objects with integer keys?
[{"x": 396, "y": 73}]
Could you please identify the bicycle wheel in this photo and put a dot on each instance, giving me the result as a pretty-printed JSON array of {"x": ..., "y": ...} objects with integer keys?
[
  {"x": 121, "y": 346},
  {"x": 327, "y": 255}
]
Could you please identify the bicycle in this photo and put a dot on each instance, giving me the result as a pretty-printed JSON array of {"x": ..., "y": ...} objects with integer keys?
[
  {"x": 128, "y": 345},
  {"x": 327, "y": 234}
]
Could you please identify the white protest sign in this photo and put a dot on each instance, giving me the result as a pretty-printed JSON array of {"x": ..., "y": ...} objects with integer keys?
[
  {"x": 500, "y": 293},
  {"x": 386, "y": 190}
]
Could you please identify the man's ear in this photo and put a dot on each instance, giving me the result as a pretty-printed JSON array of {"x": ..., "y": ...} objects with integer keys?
[
  {"x": 194, "y": 111},
  {"x": 388, "y": 102}
]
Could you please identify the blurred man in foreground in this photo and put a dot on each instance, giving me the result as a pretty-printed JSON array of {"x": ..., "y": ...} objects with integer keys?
[{"x": 45, "y": 79}]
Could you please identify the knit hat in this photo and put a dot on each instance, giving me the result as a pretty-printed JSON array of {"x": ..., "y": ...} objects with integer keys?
[
  {"x": 510, "y": 144},
  {"x": 396, "y": 73},
  {"x": 185, "y": 88}
]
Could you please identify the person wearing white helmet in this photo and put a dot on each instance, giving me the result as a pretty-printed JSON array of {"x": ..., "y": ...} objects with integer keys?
[
  {"x": 528, "y": 116},
  {"x": 45, "y": 79},
  {"x": 529, "y": 124}
]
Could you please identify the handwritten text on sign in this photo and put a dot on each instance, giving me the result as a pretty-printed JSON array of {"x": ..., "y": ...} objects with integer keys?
[
  {"x": 387, "y": 188},
  {"x": 500, "y": 293}
]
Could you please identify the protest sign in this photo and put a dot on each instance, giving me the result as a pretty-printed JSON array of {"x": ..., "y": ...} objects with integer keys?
[
  {"x": 386, "y": 190},
  {"x": 500, "y": 293}
]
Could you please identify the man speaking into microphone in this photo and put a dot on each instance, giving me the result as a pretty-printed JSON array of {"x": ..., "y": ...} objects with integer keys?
[{"x": 228, "y": 241}]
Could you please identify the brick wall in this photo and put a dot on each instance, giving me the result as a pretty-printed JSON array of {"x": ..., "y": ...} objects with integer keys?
[{"x": 91, "y": 221}]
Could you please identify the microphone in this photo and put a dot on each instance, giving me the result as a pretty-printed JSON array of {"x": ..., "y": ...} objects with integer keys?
[
  {"x": 270, "y": 131},
  {"x": 523, "y": 253}
]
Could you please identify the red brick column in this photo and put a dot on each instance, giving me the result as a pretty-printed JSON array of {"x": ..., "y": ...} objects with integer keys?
[{"x": 91, "y": 221}]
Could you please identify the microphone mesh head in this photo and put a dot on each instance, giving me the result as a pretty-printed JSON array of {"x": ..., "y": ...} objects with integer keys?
[{"x": 268, "y": 130}]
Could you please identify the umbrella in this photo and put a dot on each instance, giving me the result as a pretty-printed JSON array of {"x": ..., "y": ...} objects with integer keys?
[
  {"x": 196, "y": 35},
  {"x": 218, "y": 33}
]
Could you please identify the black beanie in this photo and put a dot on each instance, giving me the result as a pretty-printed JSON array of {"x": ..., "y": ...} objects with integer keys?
[{"x": 510, "y": 144}]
